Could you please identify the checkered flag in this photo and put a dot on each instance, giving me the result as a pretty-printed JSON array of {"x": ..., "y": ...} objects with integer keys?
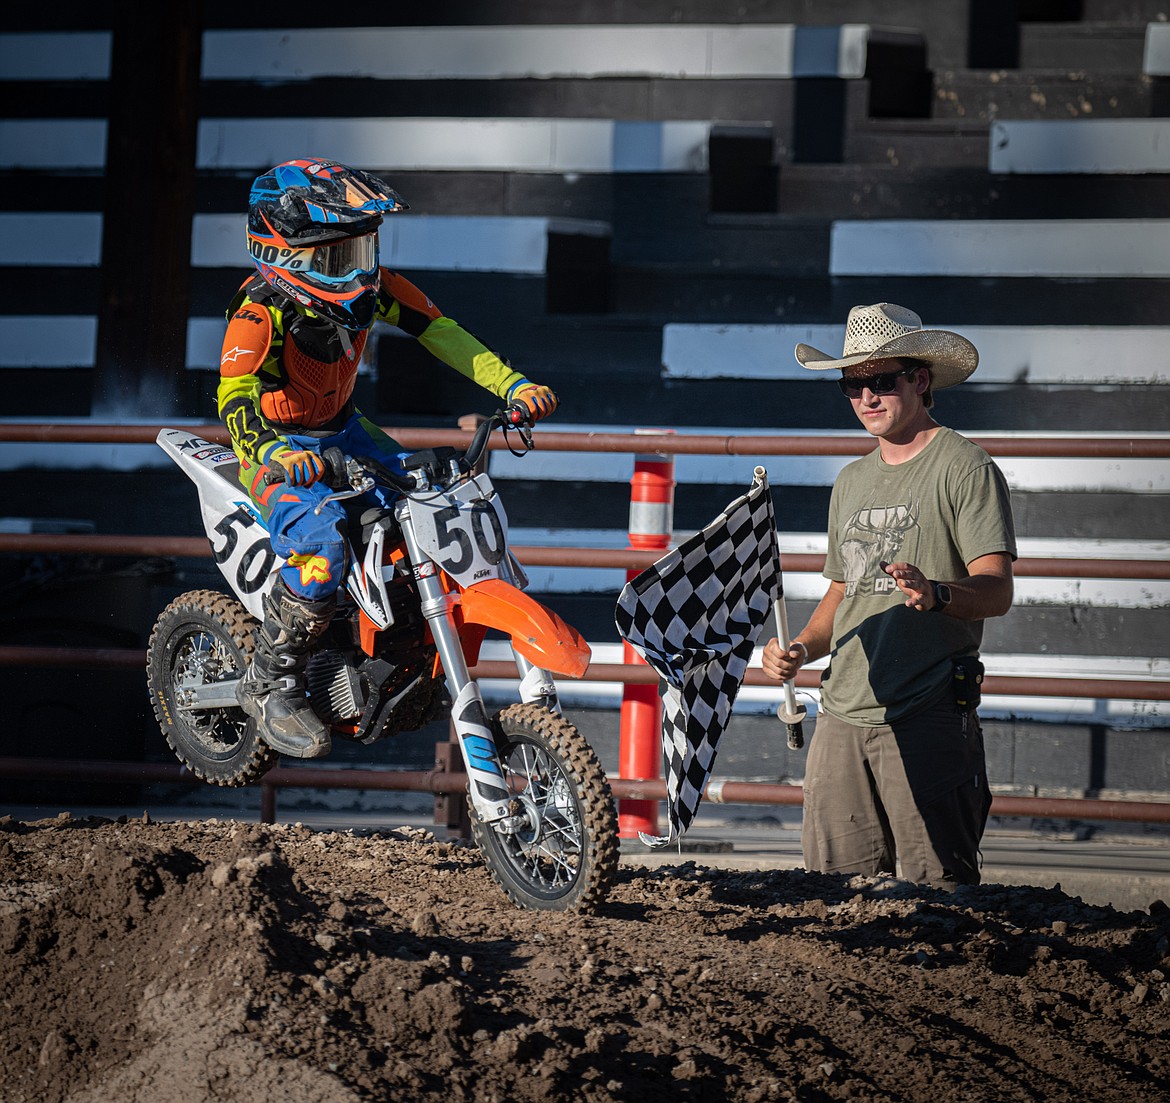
[{"x": 694, "y": 616}]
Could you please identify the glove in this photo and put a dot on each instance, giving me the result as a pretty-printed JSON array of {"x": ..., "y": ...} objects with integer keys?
[
  {"x": 301, "y": 468},
  {"x": 540, "y": 400}
]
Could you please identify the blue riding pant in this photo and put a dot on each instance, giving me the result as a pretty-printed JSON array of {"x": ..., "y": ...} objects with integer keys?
[{"x": 313, "y": 544}]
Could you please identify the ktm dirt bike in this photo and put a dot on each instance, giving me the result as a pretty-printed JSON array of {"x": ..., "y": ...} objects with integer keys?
[{"x": 427, "y": 578}]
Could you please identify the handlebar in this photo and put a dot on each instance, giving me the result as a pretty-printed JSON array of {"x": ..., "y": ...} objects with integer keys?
[
  {"x": 517, "y": 416},
  {"x": 338, "y": 475}
]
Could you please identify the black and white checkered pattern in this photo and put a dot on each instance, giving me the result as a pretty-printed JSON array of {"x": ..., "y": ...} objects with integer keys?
[{"x": 694, "y": 616}]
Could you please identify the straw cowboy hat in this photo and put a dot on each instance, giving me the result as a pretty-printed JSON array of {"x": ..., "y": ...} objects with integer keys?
[{"x": 884, "y": 330}]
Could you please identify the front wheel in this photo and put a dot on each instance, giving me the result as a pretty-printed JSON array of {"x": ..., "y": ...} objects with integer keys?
[
  {"x": 558, "y": 851},
  {"x": 201, "y": 638}
]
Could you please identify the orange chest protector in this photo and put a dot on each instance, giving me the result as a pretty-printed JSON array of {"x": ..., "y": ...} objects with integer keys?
[{"x": 318, "y": 372}]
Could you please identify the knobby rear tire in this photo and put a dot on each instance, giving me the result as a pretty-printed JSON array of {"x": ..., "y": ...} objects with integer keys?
[
  {"x": 204, "y": 636},
  {"x": 566, "y": 856}
]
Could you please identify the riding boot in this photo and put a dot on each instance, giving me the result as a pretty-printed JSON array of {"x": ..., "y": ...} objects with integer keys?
[{"x": 272, "y": 691}]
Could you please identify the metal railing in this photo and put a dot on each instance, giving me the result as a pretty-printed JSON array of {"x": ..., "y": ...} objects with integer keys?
[
  {"x": 668, "y": 444},
  {"x": 195, "y": 547},
  {"x": 453, "y": 782},
  {"x": 1119, "y": 689}
]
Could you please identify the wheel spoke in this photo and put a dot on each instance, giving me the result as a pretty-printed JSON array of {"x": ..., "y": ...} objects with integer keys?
[
  {"x": 200, "y": 659},
  {"x": 558, "y": 851},
  {"x": 205, "y": 637},
  {"x": 552, "y": 857}
]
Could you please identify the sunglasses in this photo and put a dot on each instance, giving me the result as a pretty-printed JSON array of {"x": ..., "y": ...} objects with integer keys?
[{"x": 883, "y": 383}]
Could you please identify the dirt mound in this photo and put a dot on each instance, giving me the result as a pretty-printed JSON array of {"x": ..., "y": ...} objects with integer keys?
[{"x": 219, "y": 961}]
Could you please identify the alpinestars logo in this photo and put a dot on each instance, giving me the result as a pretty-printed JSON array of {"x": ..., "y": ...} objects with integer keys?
[{"x": 232, "y": 355}]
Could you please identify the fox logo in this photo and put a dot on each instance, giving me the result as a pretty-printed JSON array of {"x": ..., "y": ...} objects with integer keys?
[{"x": 313, "y": 568}]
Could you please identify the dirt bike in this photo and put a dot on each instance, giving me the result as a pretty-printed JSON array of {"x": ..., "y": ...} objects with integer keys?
[{"x": 427, "y": 577}]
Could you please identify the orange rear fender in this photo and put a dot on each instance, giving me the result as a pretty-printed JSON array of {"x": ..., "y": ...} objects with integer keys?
[{"x": 537, "y": 632}]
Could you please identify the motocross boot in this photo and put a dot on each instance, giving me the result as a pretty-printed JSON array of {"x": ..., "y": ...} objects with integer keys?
[{"x": 272, "y": 691}]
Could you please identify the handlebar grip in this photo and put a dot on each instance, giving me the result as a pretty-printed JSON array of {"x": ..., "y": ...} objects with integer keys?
[
  {"x": 518, "y": 414},
  {"x": 336, "y": 475}
]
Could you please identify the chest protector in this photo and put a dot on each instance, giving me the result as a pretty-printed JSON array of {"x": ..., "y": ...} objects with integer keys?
[
  {"x": 317, "y": 364},
  {"x": 318, "y": 373}
]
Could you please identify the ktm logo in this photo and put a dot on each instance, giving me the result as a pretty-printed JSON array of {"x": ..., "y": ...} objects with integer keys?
[
  {"x": 248, "y": 316},
  {"x": 313, "y": 568}
]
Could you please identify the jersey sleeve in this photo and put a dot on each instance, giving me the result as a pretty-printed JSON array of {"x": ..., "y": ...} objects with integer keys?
[
  {"x": 984, "y": 524},
  {"x": 402, "y": 304},
  {"x": 246, "y": 354},
  {"x": 834, "y": 569}
]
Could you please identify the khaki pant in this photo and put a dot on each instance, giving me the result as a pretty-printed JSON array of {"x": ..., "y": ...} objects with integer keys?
[{"x": 909, "y": 798}]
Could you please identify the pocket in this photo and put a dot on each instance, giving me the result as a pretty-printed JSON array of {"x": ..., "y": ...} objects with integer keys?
[{"x": 939, "y": 752}]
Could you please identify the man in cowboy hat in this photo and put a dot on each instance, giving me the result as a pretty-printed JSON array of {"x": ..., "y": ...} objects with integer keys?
[{"x": 921, "y": 543}]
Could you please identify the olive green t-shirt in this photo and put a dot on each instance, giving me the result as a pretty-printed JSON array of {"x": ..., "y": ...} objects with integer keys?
[{"x": 940, "y": 510}]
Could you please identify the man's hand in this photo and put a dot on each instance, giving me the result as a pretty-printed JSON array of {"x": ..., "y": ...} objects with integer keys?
[
  {"x": 301, "y": 468},
  {"x": 985, "y": 591},
  {"x": 913, "y": 583},
  {"x": 780, "y": 664},
  {"x": 540, "y": 400}
]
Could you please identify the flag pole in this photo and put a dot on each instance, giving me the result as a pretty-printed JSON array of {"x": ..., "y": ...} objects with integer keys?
[{"x": 790, "y": 713}]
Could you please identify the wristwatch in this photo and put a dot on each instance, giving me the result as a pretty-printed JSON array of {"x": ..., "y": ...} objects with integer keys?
[{"x": 942, "y": 596}]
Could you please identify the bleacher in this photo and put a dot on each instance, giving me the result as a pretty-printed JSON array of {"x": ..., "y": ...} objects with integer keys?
[{"x": 603, "y": 195}]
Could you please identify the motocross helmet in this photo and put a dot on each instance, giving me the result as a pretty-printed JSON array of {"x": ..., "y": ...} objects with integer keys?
[{"x": 313, "y": 235}]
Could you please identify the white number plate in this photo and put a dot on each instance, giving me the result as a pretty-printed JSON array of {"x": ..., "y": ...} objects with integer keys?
[{"x": 465, "y": 531}]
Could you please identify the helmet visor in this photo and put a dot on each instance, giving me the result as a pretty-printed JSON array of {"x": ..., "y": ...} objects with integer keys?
[{"x": 344, "y": 260}]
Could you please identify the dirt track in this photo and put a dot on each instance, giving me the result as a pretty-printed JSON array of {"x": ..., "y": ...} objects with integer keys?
[{"x": 220, "y": 961}]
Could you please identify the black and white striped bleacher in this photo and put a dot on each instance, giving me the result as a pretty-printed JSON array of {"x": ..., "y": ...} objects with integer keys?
[
  {"x": 652, "y": 70},
  {"x": 1052, "y": 355},
  {"x": 1071, "y": 249}
]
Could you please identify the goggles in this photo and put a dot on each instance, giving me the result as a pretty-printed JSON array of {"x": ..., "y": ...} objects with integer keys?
[
  {"x": 883, "y": 383},
  {"x": 342, "y": 260},
  {"x": 337, "y": 262}
]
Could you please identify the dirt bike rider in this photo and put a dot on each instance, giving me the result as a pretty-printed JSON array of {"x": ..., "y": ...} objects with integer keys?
[{"x": 296, "y": 332}]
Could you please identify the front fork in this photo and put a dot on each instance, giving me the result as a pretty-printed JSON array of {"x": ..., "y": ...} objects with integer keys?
[
  {"x": 487, "y": 786},
  {"x": 536, "y": 685}
]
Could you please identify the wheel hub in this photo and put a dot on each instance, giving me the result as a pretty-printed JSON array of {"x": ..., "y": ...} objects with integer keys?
[{"x": 525, "y": 820}]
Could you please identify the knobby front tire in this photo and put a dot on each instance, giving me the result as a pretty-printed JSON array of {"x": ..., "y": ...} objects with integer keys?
[{"x": 563, "y": 855}]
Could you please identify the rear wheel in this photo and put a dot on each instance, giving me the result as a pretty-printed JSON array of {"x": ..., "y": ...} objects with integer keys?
[
  {"x": 202, "y": 638},
  {"x": 559, "y": 849}
]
